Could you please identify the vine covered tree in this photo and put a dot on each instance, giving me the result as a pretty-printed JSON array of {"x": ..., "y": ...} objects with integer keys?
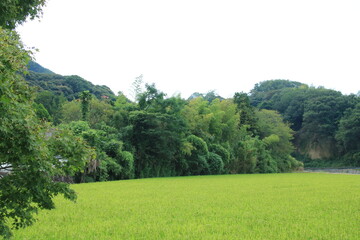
[{"x": 85, "y": 98}]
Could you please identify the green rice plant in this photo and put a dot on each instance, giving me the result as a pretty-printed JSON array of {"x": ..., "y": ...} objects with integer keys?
[{"x": 258, "y": 206}]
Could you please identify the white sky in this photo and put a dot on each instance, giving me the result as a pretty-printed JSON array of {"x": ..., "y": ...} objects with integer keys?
[{"x": 200, "y": 45}]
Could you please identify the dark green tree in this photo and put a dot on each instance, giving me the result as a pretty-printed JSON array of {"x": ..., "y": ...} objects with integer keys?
[
  {"x": 348, "y": 135},
  {"x": 261, "y": 95},
  {"x": 322, "y": 113},
  {"x": 197, "y": 158},
  {"x": 53, "y": 104},
  {"x": 246, "y": 111},
  {"x": 157, "y": 139}
]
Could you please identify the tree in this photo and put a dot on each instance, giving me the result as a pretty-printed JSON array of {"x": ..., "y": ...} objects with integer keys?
[
  {"x": 348, "y": 135},
  {"x": 151, "y": 99},
  {"x": 52, "y": 104},
  {"x": 263, "y": 92},
  {"x": 13, "y": 12},
  {"x": 277, "y": 137},
  {"x": 85, "y": 98},
  {"x": 157, "y": 139},
  {"x": 323, "y": 110},
  {"x": 196, "y": 161},
  {"x": 71, "y": 111},
  {"x": 246, "y": 111},
  {"x": 28, "y": 148},
  {"x": 100, "y": 111},
  {"x": 137, "y": 86}
]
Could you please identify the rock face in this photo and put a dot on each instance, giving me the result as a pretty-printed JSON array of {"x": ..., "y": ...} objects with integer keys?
[{"x": 317, "y": 149}]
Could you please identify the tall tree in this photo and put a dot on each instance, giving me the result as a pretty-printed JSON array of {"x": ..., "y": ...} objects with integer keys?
[
  {"x": 246, "y": 111},
  {"x": 137, "y": 87},
  {"x": 157, "y": 140},
  {"x": 27, "y": 148}
]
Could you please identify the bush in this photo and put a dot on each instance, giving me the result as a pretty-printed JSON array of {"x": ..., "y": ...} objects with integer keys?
[{"x": 221, "y": 151}]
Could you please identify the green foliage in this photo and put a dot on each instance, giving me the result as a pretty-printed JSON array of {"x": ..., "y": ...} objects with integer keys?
[
  {"x": 41, "y": 112},
  {"x": 348, "y": 135},
  {"x": 98, "y": 111},
  {"x": 27, "y": 148},
  {"x": 263, "y": 92},
  {"x": 221, "y": 151},
  {"x": 275, "y": 132},
  {"x": 68, "y": 86},
  {"x": 71, "y": 111},
  {"x": 14, "y": 12},
  {"x": 313, "y": 113},
  {"x": 151, "y": 100},
  {"x": 85, "y": 98},
  {"x": 197, "y": 159},
  {"x": 277, "y": 136},
  {"x": 216, "y": 164},
  {"x": 246, "y": 155},
  {"x": 215, "y": 122},
  {"x": 156, "y": 138},
  {"x": 209, "y": 96},
  {"x": 70, "y": 151},
  {"x": 198, "y": 116},
  {"x": 53, "y": 104},
  {"x": 126, "y": 160},
  {"x": 246, "y": 112},
  {"x": 322, "y": 114},
  {"x": 78, "y": 127}
]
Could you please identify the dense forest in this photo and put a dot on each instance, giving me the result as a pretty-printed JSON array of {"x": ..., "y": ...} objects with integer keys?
[{"x": 278, "y": 127}]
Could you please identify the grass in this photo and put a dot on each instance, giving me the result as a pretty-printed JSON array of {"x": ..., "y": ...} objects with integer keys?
[{"x": 268, "y": 206}]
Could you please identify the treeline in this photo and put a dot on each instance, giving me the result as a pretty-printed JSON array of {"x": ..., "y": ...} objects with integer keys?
[
  {"x": 261, "y": 132},
  {"x": 326, "y": 123},
  {"x": 169, "y": 136}
]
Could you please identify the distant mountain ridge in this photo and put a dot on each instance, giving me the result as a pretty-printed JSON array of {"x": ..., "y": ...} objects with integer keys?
[
  {"x": 68, "y": 86},
  {"x": 35, "y": 67}
]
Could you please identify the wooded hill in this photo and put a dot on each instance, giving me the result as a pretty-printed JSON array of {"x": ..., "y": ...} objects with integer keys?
[
  {"x": 326, "y": 123},
  {"x": 68, "y": 86}
]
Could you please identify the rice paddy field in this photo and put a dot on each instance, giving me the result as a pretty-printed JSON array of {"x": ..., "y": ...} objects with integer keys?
[{"x": 258, "y": 206}]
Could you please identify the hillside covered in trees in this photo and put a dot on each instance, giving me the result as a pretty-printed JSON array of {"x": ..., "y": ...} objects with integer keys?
[
  {"x": 69, "y": 87},
  {"x": 326, "y": 123},
  {"x": 277, "y": 127}
]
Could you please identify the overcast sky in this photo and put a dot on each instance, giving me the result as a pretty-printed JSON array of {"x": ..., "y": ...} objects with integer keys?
[{"x": 200, "y": 45}]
